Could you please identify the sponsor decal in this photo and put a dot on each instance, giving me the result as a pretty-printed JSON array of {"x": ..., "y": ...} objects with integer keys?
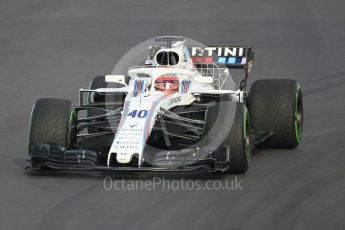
[
  {"x": 185, "y": 86},
  {"x": 218, "y": 51},
  {"x": 174, "y": 100},
  {"x": 138, "y": 86},
  {"x": 132, "y": 126}
]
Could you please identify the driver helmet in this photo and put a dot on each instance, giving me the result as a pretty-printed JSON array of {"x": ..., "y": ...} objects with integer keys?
[{"x": 168, "y": 83}]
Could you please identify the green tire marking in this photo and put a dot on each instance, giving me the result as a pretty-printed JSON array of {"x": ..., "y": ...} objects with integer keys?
[
  {"x": 245, "y": 135},
  {"x": 298, "y": 116},
  {"x": 72, "y": 115}
]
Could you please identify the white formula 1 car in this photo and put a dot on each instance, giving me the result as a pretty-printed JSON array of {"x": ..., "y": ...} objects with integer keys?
[{"x": 180, "y": 111}]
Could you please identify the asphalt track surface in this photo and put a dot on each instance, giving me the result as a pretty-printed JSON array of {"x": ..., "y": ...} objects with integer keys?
[{"x": 53, "y": 48}]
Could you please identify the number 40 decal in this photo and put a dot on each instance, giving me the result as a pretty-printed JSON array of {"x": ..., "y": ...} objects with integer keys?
[{"x": 140, "y": 113}]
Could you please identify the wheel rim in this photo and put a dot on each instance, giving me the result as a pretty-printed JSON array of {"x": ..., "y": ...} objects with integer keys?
[{"x": 298, "y": 114}]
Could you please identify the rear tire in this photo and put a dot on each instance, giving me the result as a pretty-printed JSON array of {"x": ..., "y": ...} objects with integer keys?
[
  {"x": 276, "y": 105},
  {"x": 50, "y": 123}
]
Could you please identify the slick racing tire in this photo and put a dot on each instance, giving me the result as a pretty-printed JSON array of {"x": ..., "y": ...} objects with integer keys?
[
  {"x": 239, "y": 141},
  {"x": 276, "y": 105},
  {"x": 229, "y": 127},
  {"x": 51, "y": 121}
]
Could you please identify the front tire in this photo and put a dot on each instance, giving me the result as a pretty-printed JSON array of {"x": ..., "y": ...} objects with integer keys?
[
  {"x": 51, "y": 121},
  {"x": 239, "y": 141},
  {"x": 228, "y": 127}
]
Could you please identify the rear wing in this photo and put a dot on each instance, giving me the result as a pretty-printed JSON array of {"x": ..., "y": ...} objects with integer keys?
[{"x": 233, "y": 56}]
